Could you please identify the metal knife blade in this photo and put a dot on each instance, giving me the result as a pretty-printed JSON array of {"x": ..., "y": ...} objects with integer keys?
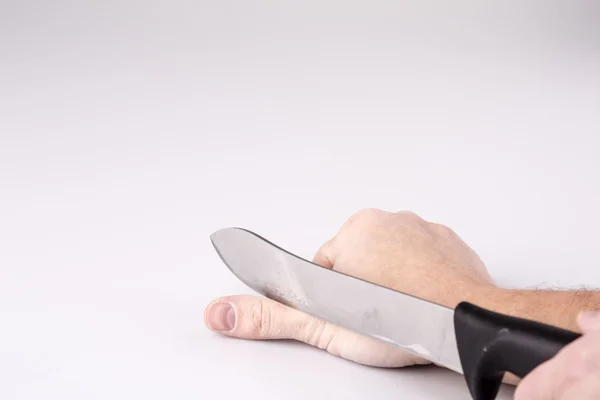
[{"x": 409, "y": 323}]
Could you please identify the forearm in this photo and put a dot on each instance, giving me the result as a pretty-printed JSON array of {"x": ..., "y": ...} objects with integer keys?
[{"x": 559, "y": 308}]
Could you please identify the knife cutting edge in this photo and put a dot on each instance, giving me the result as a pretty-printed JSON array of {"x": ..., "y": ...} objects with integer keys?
[{"x": 478, "y": 343}]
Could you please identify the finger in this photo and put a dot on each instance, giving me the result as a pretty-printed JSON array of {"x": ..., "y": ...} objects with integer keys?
[
  {"x": 537, "y": 385},
  {"x": 326, "y": 255},
  {"x": 586, "y": 389},
  {"x": 589, "y": 321},
  {"x": 259, "y": 318},
  {"x": 554, "y": 377}
]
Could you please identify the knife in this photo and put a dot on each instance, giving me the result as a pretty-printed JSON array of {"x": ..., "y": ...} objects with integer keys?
[{"x": 478, "y": 343}]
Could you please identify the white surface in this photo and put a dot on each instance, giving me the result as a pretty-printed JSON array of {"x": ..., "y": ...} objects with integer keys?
[{"x": 129, "y": 131}]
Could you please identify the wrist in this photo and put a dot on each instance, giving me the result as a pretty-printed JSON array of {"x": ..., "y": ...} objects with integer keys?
[
  {"x": 500, "y": 300},
  {"x": 558, "y": 308},
  {"x": 483, "y": 295}
]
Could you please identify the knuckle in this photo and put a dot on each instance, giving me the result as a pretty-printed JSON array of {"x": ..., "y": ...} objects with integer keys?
[
  {"x": 362, "y": 217},
  {"x": 326, "y": 252},
  {"x": 328, "y": 246},
  {"x": 367, "y": 214},
  {"x": 408, "y": 214},
  {"x": 312, "y": 332},
  {"x": 372, "y": 216},
  {"x": 261, "y": 319},
  {"x": 410, "y": 218},
  {"x": 443, "y": 229}
]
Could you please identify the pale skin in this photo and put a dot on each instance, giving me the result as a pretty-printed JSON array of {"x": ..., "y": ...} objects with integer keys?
[
  {"x": 404, "y": 252},
  {"x": 574, "y": 373}
]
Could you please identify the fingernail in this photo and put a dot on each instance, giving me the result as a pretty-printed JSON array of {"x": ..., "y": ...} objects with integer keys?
[{"x": 221, "y": 317}]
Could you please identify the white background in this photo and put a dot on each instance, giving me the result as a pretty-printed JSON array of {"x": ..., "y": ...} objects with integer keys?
[{"x": 131, "y": 130}]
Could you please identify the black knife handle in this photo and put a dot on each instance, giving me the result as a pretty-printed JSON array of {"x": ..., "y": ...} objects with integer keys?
[{"x": 490, "y": 344}]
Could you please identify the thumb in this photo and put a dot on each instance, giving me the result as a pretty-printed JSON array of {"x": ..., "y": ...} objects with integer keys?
[
  {"x": 259, "y": 318},
  {"x": 589, "y": 321}
]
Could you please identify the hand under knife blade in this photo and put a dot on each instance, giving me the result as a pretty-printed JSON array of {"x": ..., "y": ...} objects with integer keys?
[{"x": 467, "y": 339}]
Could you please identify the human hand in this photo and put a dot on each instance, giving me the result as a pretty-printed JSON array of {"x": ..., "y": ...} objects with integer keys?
[
  {"x": 397, "y": 250},
  {"x": 573, "y": 374}
]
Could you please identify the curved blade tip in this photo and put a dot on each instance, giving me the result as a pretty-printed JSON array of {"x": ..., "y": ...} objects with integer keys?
[{"x": 220, "y": 235}]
